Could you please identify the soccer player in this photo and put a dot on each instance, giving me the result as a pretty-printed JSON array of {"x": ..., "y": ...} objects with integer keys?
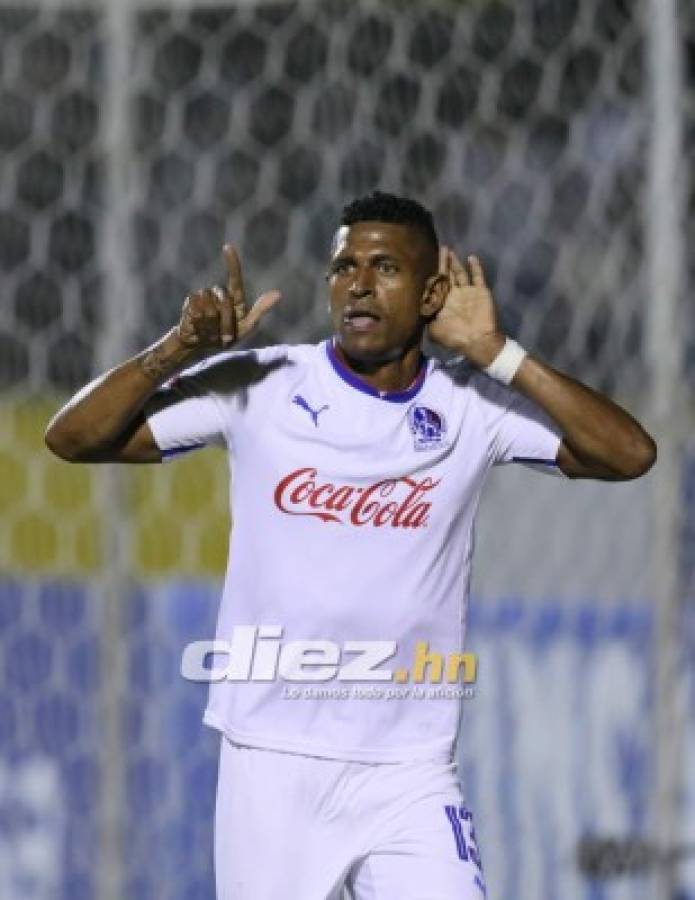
[{"x": 358, "y": 464}]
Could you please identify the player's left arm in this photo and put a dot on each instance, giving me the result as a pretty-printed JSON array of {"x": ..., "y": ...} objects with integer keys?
[{"x": 600, "y": 439}]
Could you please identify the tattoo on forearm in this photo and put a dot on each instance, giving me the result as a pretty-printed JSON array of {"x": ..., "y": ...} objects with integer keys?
[{"x": 156, "y": 363}]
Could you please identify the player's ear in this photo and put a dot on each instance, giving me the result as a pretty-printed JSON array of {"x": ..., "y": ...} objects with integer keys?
[{"x": 434, "y": 295}]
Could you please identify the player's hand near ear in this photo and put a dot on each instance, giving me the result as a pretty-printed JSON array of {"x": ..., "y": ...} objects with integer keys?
[
  {"x": 468, "y": 320},
  {"x": 600, "y": 439}
]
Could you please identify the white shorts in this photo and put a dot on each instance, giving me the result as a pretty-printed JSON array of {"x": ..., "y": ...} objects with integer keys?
[{"x": 291, "y": 827}]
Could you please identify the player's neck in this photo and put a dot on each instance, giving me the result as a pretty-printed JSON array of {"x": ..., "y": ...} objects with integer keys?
[{"x": 388, "y": 376}]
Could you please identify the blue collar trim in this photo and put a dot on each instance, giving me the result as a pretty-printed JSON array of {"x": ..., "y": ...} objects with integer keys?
[{"x": 356, "y": 382}]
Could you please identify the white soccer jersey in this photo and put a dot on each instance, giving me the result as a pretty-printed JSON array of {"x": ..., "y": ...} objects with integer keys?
[{"x": 353, "y": 518}]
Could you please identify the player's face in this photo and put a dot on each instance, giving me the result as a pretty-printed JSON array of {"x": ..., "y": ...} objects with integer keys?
[{"x": 380, "y": 279}]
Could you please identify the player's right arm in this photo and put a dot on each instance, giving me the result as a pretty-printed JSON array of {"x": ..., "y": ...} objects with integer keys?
[{"x": 105, "y": 420}]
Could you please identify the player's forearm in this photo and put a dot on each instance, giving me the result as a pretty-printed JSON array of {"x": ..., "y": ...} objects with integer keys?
[
  {"x": 101, "y": 413},
  {"x": 596, "y": 429}
]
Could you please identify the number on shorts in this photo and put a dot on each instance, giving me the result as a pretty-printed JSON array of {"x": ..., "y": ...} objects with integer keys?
[{"x": 467, "y": 850}]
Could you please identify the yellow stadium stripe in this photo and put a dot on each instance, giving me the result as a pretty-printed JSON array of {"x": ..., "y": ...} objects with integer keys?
[{"x": 53, "y": 523}]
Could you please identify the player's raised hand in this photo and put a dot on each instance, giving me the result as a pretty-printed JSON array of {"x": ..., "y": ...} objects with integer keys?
[
  {"x": 468, "y": 321},
  {"x": 246, "y": 320},
  {"x": 216, "y": 318}
]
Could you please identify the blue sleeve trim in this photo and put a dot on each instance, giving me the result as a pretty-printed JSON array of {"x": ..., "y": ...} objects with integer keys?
[
  {"x": 178, "y": 451},
  {"x": 536, "y": 462}
]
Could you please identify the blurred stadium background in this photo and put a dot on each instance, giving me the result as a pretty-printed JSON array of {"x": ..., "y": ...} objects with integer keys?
[{"x": 556, "y": 138}]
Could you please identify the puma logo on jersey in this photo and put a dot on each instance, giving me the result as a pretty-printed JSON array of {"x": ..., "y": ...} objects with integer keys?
[{"x": 314, "y": 413}]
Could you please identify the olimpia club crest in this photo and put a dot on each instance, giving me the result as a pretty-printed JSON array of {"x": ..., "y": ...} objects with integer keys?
[{"x": 428, "y": 427}]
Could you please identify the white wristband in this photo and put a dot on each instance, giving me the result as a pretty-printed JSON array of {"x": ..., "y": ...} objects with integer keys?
[{"x": 505, "y": 365}]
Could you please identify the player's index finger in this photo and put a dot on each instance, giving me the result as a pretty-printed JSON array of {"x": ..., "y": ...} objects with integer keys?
[
  {"x": 235, "y": 283},
  {"x": 476, "y": 271},
  {"x": 458, "y": 270}
]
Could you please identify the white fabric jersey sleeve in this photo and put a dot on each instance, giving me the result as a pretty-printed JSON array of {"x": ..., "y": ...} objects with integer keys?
[
  {"x": 519, "y": 431},
  {"x": 183, "y": 416},
  {"x": 199, "y": 408}
]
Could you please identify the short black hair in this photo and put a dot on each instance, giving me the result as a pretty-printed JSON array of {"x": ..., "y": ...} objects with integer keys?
[{"x": 381, "y": 207}]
